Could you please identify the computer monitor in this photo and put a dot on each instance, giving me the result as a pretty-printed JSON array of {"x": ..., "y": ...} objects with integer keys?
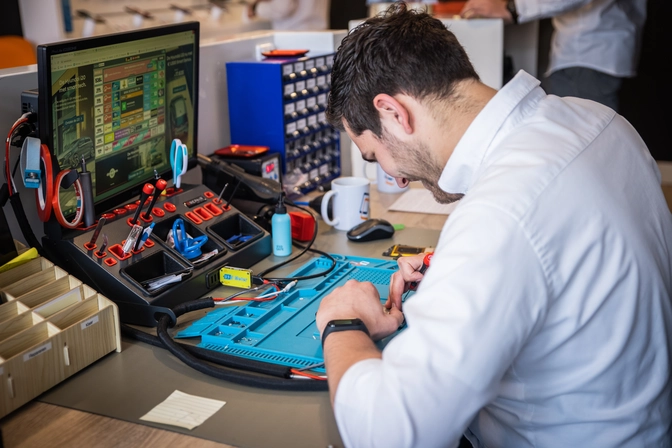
[{"x": 119, "y": 101}]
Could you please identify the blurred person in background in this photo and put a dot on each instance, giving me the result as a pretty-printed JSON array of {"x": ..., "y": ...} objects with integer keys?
[
  {"x": 292, "y": 15},
  {"x": 595, "y": 43}
]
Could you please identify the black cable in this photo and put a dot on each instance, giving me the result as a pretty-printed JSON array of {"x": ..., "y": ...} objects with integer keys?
[
  {"x": 190, "y": 356},
  {"x": 229, "y": 361},
  {"x": 307, "y": 248},
  {"x": 16, "y": 166}
]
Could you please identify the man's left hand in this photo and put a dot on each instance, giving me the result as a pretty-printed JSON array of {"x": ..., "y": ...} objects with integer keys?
[
  {"x": 491, "y": 9},
  {"x": 359, "y": 300}
]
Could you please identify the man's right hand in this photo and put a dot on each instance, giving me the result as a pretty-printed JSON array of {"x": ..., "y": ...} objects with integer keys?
[{"x": 408, "y": 272}]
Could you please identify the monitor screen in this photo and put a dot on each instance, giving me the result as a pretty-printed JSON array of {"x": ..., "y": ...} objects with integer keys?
[{"x": 118, "y": 101}]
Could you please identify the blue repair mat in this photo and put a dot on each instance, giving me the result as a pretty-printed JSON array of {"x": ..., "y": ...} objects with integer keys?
[{"x": 283, "y": 331}]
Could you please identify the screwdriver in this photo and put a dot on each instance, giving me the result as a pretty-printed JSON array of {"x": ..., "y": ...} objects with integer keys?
[
  {"x": 412, "y": 286},
  {"x": 159, "y": 186},
  {"x": 147, "y": 189}
]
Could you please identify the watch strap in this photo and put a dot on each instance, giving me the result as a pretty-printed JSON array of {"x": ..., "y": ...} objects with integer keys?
[{"x": 334, "y": 326}]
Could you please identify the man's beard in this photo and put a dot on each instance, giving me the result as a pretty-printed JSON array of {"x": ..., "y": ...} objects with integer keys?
[{"x": 415, "y": 163}]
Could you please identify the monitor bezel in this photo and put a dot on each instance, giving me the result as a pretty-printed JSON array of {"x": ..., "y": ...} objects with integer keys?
[{"x": 44, "y": 53}]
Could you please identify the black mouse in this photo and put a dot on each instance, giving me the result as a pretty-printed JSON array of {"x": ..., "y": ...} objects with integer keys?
[{"x": 371, "y": 229}]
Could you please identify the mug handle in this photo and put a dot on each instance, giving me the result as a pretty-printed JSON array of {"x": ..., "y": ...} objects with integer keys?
[
  {"x": 365, "y": 171},
  {"x": 325, "y": 207}
]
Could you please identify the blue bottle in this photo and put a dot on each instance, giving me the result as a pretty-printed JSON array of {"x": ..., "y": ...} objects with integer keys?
[{"x": 281, "y": 230}]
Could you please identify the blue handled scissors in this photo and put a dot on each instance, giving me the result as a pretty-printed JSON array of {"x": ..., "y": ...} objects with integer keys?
[{"x": 179, "y": 160}]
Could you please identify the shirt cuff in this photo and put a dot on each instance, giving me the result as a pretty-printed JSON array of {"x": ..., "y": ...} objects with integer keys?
[{"x": 347, "y": 402}]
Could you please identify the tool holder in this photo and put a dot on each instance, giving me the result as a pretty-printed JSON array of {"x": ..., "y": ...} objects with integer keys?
[{"x": 123, "y": 277}]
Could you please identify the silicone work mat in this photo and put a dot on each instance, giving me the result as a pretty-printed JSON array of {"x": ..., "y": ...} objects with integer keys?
[{"x": 283, "y": 331}]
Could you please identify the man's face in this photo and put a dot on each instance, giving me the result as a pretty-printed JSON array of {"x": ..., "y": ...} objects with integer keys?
[{"x": 405, "y": 162}]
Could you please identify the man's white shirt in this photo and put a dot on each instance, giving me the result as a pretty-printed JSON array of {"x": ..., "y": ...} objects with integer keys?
[{"x": 545, "y": 319}]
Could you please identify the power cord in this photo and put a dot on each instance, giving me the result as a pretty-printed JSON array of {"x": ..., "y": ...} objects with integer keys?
[
  {"x": 220, "y": 365},
  {"x": 260, "y": 277}
]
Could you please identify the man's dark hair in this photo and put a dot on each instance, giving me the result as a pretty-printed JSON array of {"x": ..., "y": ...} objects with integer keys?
[{"x": 400, "y": 51}]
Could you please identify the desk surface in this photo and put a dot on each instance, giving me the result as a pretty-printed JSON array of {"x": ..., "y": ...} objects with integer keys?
[{"x": 126, "y": 385}]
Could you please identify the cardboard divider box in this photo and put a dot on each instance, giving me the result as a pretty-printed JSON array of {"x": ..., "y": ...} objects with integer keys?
[{"x": 51, "y": 326}]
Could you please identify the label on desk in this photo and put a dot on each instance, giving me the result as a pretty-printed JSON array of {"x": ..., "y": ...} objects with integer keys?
[
  {"x": 36, "y": 352},
  {"x": 88, "y": 323}
]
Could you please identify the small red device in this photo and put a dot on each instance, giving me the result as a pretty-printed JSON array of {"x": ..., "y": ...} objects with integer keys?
[
  {"x": 241, "y": 150},
  {"x": 303, "y": 226},
  {"x": 284, "y": 53}
]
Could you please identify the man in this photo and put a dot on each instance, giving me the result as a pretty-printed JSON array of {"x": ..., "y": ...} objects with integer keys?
[
  {"x": 545, "y": 317},
  {"x": 292, "y": 15},
  {"x": 595, "y": 43}
]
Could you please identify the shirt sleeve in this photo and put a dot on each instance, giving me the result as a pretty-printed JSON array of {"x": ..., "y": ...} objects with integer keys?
[
  {"x": 529, "y": 10},
  {"x": 481, "y": 299},
  {"x": 276, "y": 9}
]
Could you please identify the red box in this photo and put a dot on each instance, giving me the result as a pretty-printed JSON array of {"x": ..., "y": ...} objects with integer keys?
[{"x": 303, "y": 226}]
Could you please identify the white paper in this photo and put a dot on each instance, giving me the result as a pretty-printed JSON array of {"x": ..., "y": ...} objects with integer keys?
[
  {"x": 419, "y": 200},
  {"x": 183, "y": 410}
]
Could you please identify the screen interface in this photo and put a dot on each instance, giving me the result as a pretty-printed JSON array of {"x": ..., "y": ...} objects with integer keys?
[{"x": 119, "y": 107}]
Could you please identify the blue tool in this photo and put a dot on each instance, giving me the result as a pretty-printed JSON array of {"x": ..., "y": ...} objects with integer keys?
[
  {"x": 145, "y": 235},
  {"x": 189, "y": 248},
  {"x": 179, "y": 160}
]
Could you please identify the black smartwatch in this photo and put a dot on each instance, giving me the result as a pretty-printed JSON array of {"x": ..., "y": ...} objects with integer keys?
[
  {"x": 343, "y": 325},
  {"x": 511, "y": 7}
]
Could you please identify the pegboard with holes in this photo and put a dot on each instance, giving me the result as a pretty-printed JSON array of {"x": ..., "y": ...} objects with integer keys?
[{"x": 283, "y": 331}]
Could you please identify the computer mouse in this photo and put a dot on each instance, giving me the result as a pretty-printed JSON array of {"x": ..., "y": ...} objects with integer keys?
[{"x": 371, "y": 229}]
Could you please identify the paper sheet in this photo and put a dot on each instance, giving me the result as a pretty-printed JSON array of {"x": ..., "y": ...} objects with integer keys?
[
  {"x": 183, "y": 410},
  {"x": 419, "y": 200}
]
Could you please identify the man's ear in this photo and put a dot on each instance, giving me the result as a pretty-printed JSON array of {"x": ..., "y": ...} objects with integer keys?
[{"x": 393, "y": 113}]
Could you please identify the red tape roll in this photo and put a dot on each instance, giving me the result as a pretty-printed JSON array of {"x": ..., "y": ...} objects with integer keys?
[
  {"x": 56, "y": 202},
  {"x": 45, "y": 192}
]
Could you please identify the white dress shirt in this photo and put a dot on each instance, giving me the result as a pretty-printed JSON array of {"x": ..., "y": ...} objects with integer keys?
[
  {"x": 295, "y": 15},
  {"x": 604, "y": 35},
  {"x": 545, "y": 318}
]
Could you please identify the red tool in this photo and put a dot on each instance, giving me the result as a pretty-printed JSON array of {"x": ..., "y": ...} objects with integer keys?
[
  {"x": 159, "y": 186},
  {"x": 412, "y": 286},
  {"x": 147, "y": 189}
]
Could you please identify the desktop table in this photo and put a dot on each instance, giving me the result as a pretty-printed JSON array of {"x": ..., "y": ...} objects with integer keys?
[{"x": 101, "y": 405}]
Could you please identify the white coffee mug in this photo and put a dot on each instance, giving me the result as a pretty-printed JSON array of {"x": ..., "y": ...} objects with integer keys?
[
  {"x": 351, "y": 202},
  {"x": 384, "y": 182}
]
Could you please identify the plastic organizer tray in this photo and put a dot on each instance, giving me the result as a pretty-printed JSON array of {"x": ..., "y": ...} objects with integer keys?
[
  {"x": 51, "y": 326},
  {"x": 283, "y": 331}
]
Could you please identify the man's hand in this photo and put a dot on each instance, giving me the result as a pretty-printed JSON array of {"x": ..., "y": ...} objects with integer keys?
[
  {"x": 359, "y": 300},
  {"x": 491, "y": 9},
  {"x": 408, "y": 272},
  {"x": 252, "y": 8}
]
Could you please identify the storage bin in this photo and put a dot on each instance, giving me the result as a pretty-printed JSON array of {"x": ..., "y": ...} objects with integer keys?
[{"x": 51, "y": 326}]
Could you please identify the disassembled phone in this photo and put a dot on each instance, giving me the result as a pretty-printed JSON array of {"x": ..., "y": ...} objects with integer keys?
[{"x": 401, "y": 250}]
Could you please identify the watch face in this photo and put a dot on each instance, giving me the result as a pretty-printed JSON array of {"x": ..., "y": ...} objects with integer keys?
[{"x": 339, "y": 322}]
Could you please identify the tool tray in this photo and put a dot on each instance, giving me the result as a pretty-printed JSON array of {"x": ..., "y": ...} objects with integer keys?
[
  {"x": 123, "y": 276},
  {"x": 283, "y": 331}
]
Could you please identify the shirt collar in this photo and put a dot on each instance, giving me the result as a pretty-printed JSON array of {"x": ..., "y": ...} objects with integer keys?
[{"x": 458, "y": 174}]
